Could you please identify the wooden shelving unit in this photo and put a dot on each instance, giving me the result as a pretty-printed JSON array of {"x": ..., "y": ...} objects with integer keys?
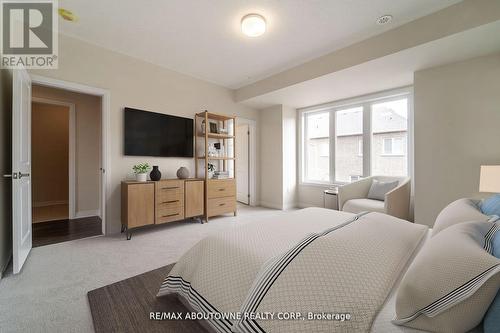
[{"x": 220, "y": 194}]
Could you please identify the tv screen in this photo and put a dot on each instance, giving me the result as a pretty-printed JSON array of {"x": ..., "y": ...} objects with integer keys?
[{"x": 157, "y": 134}]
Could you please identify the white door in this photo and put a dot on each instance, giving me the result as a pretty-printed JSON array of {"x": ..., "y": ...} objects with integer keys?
[
  {"x": 21, "y": 168},
  {"x": 242, "y": 161}
]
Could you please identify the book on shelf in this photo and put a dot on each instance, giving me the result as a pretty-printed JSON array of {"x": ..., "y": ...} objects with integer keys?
[{"x": 221, "y": 175}]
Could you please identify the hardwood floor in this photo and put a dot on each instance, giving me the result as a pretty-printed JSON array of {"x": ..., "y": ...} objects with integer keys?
[{"x": 52, "y": 232}]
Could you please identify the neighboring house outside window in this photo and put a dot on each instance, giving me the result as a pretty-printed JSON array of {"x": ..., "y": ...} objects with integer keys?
[{"x": 388, "y": 141}]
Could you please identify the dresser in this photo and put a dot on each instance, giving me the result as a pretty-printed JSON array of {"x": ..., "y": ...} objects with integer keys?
[
  {"x": 159, "y": 202},
  {"x": 221, "y": 196}
]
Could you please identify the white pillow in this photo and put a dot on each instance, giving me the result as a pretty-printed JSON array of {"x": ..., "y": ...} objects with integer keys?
[
  {"x": 452, "y": 281},
  {"x": 379, "y": 189},
  {"x": 461, "y": 210}
]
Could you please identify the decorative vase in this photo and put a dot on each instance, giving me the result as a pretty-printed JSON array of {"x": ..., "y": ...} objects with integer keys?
[
  {"x": 155, "y": 174},
  {"x": 183, "y": 173},
  {"x": 141, "y": 177}
]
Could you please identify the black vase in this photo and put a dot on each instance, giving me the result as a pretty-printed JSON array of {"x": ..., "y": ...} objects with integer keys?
[{"x": 155, "y": 173}]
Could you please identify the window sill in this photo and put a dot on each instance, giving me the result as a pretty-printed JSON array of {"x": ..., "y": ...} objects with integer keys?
[{"x": 323, "y": 185}]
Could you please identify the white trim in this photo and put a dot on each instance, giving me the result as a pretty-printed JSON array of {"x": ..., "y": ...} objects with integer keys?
[
  {"x": 358, "y": 100},
  {"x": 72, "y": 151},
  {"x": 87, "y": 213},
  {"x": 50, "y": 203},
  {"x": 105, "y": 123},
  {"x": 273, "y": 205},
  {"x": 365, "y": 103},
  {"x": 289, "y": 206},
  {"x": 252, "y": 158}
]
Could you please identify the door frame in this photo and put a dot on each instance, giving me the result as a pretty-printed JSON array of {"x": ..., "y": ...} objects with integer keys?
[
  {"x": 252, "y": 158},
  {"x": 72, "y": 150},
  {"x": 105, "y": 144}
]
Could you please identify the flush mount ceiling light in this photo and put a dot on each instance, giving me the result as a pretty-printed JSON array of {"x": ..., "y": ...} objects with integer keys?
[
  {"x": 384, "y": 19},
  {"x": 253, "y": 25}
]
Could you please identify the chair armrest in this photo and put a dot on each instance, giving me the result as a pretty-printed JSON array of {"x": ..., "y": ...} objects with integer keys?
[
  {"x": 397, "y": 201},
  {"x": 355, "y": 190}
]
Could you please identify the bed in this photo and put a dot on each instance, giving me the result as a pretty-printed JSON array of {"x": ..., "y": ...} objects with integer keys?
[{"x": 314, "y": 270}]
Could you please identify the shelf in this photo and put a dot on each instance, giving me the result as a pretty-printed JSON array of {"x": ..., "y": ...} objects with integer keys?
[
  {"x": 216, "y": 158},
  {"x": 217, "y": 136},
  {"x": 214, "y": 116}
]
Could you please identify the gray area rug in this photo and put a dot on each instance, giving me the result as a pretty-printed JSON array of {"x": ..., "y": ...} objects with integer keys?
[{"x": 125, "y": 306}]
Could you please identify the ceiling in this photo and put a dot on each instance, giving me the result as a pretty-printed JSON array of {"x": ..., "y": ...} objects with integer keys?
[
  {"x": 202, "y": 38},
  {"x": 395, "y": 70}
]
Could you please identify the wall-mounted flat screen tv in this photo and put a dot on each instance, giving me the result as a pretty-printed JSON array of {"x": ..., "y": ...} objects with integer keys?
[{"x": 157, "y": 134}]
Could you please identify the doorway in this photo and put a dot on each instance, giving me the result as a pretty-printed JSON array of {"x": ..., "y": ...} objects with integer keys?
[
  {"x": 242, "y": 164},
  {"x": 52, "y": 157},
  {"x": 66, "y": 163},
  {"x": 246, "y": 161}
]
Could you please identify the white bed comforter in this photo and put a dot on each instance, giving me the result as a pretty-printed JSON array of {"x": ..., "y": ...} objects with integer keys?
[{"x": 307, "y": 262}]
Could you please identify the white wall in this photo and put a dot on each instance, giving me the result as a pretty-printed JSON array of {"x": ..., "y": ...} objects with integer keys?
[
  {"x": 289, "y": 116},
  {"x": 135, "y": 83},
  {"x": 271, "y": 157},
  {"x": 457, "y": 117},
  {"x": 278, "y": 147}
]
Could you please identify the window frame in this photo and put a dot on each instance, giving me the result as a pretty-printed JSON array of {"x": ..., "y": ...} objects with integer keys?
[{"x": 365, "y": 101}]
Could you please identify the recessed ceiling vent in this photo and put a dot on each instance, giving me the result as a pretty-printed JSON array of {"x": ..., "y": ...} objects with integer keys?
[{"x": 384, "y": 19}]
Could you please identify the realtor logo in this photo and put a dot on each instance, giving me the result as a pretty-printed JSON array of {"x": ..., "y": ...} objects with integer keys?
[{"x": 29, "y": 34}]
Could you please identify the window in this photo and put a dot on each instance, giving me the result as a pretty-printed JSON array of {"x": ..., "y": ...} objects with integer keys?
[
  {"x": 334, "y": 139},
  {"x": 317, "y": 146},
  {"x": 389, "y": 137},
  {"x": 348, "y": 131}
]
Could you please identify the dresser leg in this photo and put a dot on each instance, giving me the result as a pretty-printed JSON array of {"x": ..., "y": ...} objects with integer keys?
[{"x": 129, "y": 234}]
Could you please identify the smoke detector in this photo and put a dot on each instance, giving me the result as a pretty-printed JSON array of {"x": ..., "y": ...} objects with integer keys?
[{"x": 384, "y": 19}]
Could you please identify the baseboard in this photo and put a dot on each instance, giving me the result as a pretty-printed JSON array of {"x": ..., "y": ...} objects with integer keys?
[
  {"x": 87, "y": 213},
  {"x": 271, "y": 205},
  {"x": 289, "y": 206},
  {"x": 50, "y": 203},
  {"x": 306, "y": 205},
  {"x": 2, "y": 270}
]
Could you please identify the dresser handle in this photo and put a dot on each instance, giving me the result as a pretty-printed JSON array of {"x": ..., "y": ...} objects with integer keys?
[
  {"x": 171, "y": 201},
  {"x": 170, "y": 215},
  {"x": 221, "y": 189},
  {"x": 170, "y": 188},
  {"x": 222, "y": 204}
]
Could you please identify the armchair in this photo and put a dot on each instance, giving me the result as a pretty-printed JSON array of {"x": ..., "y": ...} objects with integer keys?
[{"x": 353, "y": 197}]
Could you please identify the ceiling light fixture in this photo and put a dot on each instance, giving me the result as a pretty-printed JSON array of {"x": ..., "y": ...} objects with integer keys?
[
  {"x": 384, "y": 19},
  {"x": 253, "y": 25}
]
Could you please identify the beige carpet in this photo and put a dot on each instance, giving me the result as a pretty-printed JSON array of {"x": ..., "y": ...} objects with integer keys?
[{"x": 50, "y": 295}]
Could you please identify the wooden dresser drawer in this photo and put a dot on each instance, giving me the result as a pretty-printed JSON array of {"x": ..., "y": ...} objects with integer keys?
[
  {"x": 166, "y": 213},
  {"x": 217, "y": 206},
  {"x": 170, "y": 191},
  {"x": 220, "y": 188}
]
